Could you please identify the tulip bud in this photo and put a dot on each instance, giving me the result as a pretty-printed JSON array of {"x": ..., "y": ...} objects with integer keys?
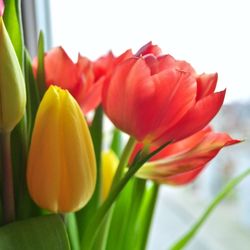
[
  {"x": 61, "y": 172},
  {"x": 109, "y": 166},
  {"x": 12, "y": 85}
]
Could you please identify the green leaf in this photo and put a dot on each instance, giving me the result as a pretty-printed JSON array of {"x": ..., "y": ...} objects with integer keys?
[
  {"x": 33, "y": 98},
  {"x": 132, "y": 228},
  {"x": 40, "y": 71},
  {"x": 96, "y": 221},
  {"x": 13, "y": 26},
  {"x": 40, "y": 233},
  {"x": 145, "y": 216},
  {"x": 181, "y": 243},
  {"x": 119, "y": 218}
]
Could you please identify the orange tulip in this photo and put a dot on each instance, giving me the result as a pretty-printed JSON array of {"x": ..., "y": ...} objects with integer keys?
[
  {"x": 181, "y": 162},
  {"x": 158, "y": 99},
  {"x": 61, "y": 171}
]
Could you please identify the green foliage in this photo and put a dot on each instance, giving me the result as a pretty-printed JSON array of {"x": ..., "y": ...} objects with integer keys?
[{"x": 41, "y": 233}]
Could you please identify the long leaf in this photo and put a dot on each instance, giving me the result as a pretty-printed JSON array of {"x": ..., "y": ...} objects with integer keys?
[
  {"x": 132, "y": 229},
  {"x": 145, "y": 216},
  {"x": 12, "y": 22},
  {"x": 119, "y": 218},
  {"x": 180, "y": 244},
  {"x": 33, "y": 98},
  {"x": 41, "y": 233},
  {"x": 41, "y": 71}
]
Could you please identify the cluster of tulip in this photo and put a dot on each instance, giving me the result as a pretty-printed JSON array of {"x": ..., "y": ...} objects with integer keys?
[{"x": 160, "y": 102}]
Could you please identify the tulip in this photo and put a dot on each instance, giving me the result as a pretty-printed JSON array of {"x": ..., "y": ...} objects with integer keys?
[
  {"x": 181, "y": 162},
  {"x": 12, "y": 85},
  {"x": 61, "y": 171},
  {"x": 109, "y": 166},
  {"x": 78, "y": 78},
  {"x": 105, "y": 65},
  {"x": 157, "y": 99},
  {"x": 1, "y": 7}
]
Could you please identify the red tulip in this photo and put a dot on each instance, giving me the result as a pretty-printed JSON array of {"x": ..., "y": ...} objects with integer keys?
[
  {"x": 105, "y": 65},
  {"x": 158, "y": 99},
  {"x": 180, "y": 162},
  {"x": 1, "y": 7},
  {"x": 78, "y": 77}
]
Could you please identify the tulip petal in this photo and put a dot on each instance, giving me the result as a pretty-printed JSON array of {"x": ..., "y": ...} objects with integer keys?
[
  {"x": 182, "y": 178},
  {"x": 197, "y": 118},
  {"x": 206, "y": 85},
  {"x": 184, "y": 156},
  {"x": 148, "y": 48},
  {"x": 119, "y": 97},
  {"x": 174, "y": 96},
  {"x": 61, "y": 170},
  {"x": 59, "y": 69}
]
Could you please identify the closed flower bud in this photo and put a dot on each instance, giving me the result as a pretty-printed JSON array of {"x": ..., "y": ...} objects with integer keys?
[
  {"x": 61, "y": 172},
  {"x": 12, "y": 85},
  {"x": 109, "y": 166}
]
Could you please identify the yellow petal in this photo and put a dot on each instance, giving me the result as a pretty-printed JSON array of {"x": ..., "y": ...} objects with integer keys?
[
  {"x": 109, "y": 166},
  {"x": 61, "y": 171}
]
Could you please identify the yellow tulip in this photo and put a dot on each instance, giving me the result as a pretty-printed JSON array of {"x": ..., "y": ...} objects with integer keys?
[
  {"x": 12, "y": 85},
  {"x": 61, "y": 172},
  {"x": 109, "y": 166}
]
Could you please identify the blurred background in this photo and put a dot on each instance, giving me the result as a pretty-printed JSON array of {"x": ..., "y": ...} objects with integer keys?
[{"x": 213, "y": 36}]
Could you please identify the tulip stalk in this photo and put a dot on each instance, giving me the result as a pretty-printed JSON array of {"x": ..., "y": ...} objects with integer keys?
[
  {"x": 124, "y": 160},
  {"x": 96, "y": 221},
  {"x": 7, "y": 175}
]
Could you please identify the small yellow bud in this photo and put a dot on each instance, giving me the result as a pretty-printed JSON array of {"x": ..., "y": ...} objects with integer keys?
[
  {"x": 12, "y": 85},
  {"x": 61, "y": 172},
  {"x": 109, "y": 166}
]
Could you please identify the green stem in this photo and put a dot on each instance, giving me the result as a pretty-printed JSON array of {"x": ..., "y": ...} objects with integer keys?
[
  {"x": 94, "y": 225},
  {"x": 131, "y": 226},
  {"x": 147, "y": 216},
  {"x": 7, "y": 182},
  {"x": 180, "y": 244},
  {"x": 95, "y": 222},
  {"x": 123, "y": 161}
]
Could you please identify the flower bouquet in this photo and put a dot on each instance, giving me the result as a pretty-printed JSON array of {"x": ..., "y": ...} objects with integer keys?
[{"x": 59, "y": 189}]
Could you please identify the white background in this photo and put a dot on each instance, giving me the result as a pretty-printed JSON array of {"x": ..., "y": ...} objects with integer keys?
[{"x": 213, "y": 35}]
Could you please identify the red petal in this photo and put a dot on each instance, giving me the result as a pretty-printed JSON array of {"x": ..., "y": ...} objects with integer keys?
[
  {"x": 148, "y": 48},
  {"x": 206, "y": 85},
  {"x": 174, "y": 96},
  {"x": 121, "y": 90},
  {"x": 183, "y": 178},
  {"x": 60, "y": 70},
  {"x": 196, "y": 119},
  {"x": 92, "y": 98}
]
